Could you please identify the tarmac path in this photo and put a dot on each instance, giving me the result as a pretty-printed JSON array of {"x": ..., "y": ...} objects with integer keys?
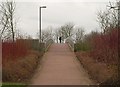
[{"x": 61, "y": 67}]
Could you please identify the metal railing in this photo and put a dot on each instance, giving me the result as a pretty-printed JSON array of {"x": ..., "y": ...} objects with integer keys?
[
  {"x": 70, "y": 42},
  {"x": 48, "y": 41}
]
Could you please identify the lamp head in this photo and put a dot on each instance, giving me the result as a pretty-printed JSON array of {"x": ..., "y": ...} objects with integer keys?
[{"x": 43, "y": 7}]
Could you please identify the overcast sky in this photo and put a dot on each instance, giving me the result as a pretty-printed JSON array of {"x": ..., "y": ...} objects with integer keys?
[{"x": 58, "y": 12}]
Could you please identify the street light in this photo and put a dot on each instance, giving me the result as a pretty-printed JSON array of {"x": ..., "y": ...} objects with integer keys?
[{"x": 40, "y": 23}]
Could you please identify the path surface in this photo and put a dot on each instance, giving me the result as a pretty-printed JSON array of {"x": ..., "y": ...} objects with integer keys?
[{"x": 60, "y": 67}]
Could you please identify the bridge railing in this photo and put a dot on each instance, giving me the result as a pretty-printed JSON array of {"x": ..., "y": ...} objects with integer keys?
[
  {"x": 48, "y": 41},
  {"x": 70, "y": 42}
]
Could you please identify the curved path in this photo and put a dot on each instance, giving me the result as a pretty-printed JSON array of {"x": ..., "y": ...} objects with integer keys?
[{"x": 61, "y": 67}]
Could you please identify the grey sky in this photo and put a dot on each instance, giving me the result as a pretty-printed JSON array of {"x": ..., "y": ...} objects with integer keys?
[{"x": 58, "y": 12}]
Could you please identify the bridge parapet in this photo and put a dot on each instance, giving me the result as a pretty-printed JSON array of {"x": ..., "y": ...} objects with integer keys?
[
  {"x": 48, "y": 41},
  {"x": 70, "y": 42}
]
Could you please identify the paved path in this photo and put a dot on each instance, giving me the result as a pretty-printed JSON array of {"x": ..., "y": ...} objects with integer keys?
[{"x": 60, "y": 67}]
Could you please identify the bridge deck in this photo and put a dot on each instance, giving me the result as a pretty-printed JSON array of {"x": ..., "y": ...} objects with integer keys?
[{"x": 60, "y": 67}]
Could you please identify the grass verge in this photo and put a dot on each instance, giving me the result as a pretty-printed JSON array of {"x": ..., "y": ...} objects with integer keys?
[{"x": 13, "y": 85}]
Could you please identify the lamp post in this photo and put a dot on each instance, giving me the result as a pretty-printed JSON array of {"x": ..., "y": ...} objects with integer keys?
[{"x": 40, "y": 23}]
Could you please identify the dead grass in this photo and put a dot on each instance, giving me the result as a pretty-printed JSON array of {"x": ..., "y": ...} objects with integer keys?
[
  {"x": 21, "y": 70},
  {"x": 100, "y": 72}
]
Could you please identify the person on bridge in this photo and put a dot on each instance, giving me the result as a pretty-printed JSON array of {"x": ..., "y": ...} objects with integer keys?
[{"x": 60, "y": 39}]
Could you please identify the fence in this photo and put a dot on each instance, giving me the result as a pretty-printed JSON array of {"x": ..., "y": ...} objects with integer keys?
[
  {"x": 13, "y": 50},
  {"x": 34, "y": 44},
  {"x": 20, "y": 47}
]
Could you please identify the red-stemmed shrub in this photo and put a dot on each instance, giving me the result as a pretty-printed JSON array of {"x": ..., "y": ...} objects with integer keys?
[
  {"x": 14, "y": 50},
  {"x": 105, "y": 46}
]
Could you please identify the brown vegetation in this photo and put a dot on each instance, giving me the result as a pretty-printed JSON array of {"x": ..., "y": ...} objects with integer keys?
[
  {"x": 22, "y": 69},
  {"x": 98, "y": 71}
]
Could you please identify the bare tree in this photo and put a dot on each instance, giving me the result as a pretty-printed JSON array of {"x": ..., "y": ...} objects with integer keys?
[
  {"x": 46, "y": 34},
  {"x": 107, "y": 19},
  {"x": 67, "y": 30},
  {"x": 103, "y": 19},
  {"x": 19, "y": 34},
  {"x": 79, "y": 34},
  {"x": 7, "y": 23}
]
